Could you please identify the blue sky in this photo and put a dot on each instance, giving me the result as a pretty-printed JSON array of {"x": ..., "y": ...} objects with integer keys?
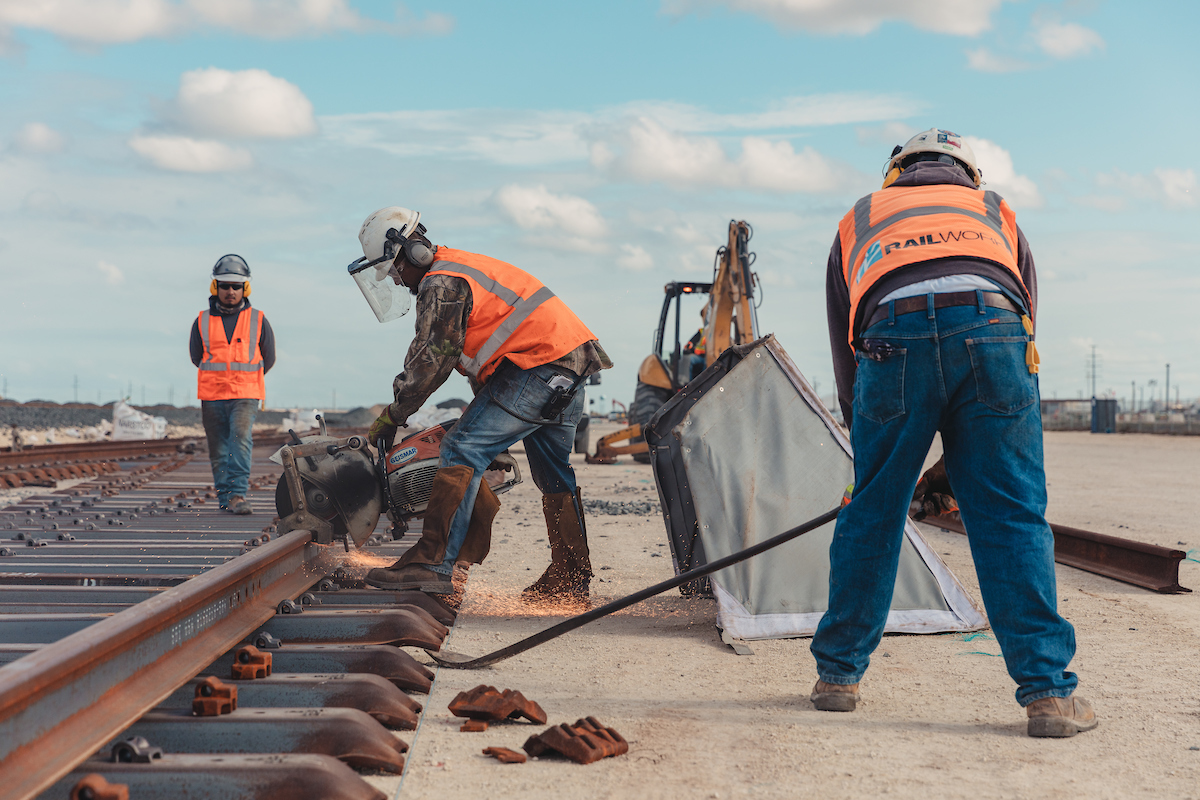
[{"x": 602, "y": 147}]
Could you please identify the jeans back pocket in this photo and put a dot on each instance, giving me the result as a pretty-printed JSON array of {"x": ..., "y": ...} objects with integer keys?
[
  {"x": 1002, "y": 379},
  {"x": 879, "y": 385}
]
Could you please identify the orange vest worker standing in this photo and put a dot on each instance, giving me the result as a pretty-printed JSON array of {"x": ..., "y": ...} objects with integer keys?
[{"x": 233, "y": 347}]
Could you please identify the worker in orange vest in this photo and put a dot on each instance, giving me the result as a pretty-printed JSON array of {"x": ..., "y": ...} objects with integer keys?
[
  {"x": 233, "y": 347},
  {"x": 525, "y": 354},
  {"x": 931, "y": 295}
]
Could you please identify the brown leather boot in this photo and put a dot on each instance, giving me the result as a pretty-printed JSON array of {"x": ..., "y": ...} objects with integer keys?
[
  {"x": 569, "y": 575},
  {"x": 834, "y": 696},
  {"x": 1060, "y": 717},
  {"x": 449, "y": 486},
  {"x": 410, "y": 577}
]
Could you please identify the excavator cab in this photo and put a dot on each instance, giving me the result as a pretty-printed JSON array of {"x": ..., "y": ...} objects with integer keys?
[{"x": 729, "y": 318}]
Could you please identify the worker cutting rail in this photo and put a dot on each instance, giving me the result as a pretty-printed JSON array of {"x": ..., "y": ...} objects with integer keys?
[{"x": 526, "y": 355}]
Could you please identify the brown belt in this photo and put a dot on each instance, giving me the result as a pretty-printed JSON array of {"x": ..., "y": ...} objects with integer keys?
[{"x": 907, "y": 305}]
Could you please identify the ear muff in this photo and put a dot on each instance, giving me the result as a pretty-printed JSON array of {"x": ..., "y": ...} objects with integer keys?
[
  {"x": 418, "y": 253},
  {"x": 212, "y": 289},
  {"x": 890, "y": 178}
]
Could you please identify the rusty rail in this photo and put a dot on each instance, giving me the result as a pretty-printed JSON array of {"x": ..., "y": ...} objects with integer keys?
[
  {"x": 58, "y": 705},
  {"x": 1147, "y": 565},
  {"x": 61, "y": 453}
]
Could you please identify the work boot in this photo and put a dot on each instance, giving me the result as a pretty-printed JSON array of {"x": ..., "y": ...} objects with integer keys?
[
  {"x": 569, "y": 575},
  {"x": 1060, "y": 717},
  {"x": 238, "y": 505},
  {"x": 834, "y": 696},
  {"x": 411, "y": 576}
]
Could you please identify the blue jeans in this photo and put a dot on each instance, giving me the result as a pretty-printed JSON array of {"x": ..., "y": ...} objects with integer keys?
[
  {"x": 229, "y": 426},
  {"x": 507, "y": 410},
  {"x": 960, "y": 370}
]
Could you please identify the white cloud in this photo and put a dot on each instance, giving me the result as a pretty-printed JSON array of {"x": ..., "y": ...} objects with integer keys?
[
  {"x": 646, "y": 151},
  {"x": 634, "y": 258},
  {"x": 250, "y": 103},
  {"x": 37, "y": 137},
  {"x": 1171, "y": 188},
  {"x": 888, "y": 134},
  {"x": 1001, "y": 176},
  {"x": 531, "y": 137},
  {"x": 112, "y": 273},
  {"x": 1066, "y": 39},
  {"x": 985, "y": 60},
  {"x": 182, "y": 154},
  {"x": 857, "y": 16},
  {"x": 122, "y": 21},
  {"x": 536, "y": 208}
]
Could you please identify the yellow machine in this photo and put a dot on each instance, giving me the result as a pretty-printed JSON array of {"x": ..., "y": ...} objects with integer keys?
[{"x": 728, "y": 317}]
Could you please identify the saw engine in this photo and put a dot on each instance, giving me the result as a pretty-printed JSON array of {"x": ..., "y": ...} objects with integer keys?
[{"x": 338, "y": 488}]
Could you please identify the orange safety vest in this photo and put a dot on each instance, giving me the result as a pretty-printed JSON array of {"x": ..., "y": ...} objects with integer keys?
[
  {"x": 903, "y": 225},
  {"x": 231, "y": 370},
  {"x": 513, "y": 315}
]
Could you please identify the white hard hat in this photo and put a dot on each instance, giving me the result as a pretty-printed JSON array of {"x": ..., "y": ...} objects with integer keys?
[
  {"x": 373, "y": 234},
  {"x": 938, "y": 141},
  {"x": 375, "y": 272}
]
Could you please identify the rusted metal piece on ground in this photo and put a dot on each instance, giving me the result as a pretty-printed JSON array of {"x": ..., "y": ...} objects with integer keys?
[
  {"x": 461, "y": 661},
  {"x": 489, "y": 703},
  {"x": 607, "y": 451},
  {"x": 1147, "y": 565},
  {"x": 250, "y": 663},
  {"x": 584, "y": 742},
  {"x": 347, "y": 734},
  {"x": 391, "y": 663},
  {"x": 292, "y": 776},
  {"x": 504, "y": 755},
  {"x": 95, "y": 787},
  {"x": 51, "y": 718},
  {"x": 474, "y": 726},
  {"x": 214, "y": 697}
]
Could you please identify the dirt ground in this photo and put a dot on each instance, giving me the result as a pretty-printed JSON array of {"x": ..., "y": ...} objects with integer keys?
[{"x": 938, "y": 718}]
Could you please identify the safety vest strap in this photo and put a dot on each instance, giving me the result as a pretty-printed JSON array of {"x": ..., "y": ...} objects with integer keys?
[
  {"x": 521, "y": 309},
  {"x": 864, "y": 231}
]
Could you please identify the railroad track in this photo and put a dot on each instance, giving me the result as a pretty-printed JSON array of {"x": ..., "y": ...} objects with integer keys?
[{"x": 120, "y": 594}]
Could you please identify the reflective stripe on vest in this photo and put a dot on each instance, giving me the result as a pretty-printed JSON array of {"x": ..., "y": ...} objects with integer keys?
[
  {"x": 509, "y": 335},
  {"x": 226, "y": 373},
  {"x": 923, "y": 223}
]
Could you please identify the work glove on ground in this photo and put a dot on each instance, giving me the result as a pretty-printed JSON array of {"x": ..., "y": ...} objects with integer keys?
[
  {"x": 382, "y": 428},
  {"x": 933, "y": 496}
]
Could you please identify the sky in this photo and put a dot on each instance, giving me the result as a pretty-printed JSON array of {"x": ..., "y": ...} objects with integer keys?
[{"x": 603, "y": 147}]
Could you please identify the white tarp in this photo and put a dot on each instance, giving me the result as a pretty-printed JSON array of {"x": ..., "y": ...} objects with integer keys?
[
  {"x": 762, "y": 455},
  {"x": 129, "y": 423}
]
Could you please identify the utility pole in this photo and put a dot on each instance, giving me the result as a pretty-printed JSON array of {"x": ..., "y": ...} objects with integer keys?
[
  {"x": 1133, "y": 397},
  {"x": 1167, "y": 391},
  {"x": 76, "y": 388},
  {"x": 334, "y": 400},
  {"x": 1093, "y": 372}
]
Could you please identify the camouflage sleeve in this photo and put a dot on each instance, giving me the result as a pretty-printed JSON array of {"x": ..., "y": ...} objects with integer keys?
[{"x": 443, "y": 305}]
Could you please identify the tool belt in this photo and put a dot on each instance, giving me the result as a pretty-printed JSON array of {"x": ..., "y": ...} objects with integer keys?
[{"x": 908, "y": 305}]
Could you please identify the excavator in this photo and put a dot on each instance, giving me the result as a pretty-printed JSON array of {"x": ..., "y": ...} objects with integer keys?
[{"x": 729, "y": 317}]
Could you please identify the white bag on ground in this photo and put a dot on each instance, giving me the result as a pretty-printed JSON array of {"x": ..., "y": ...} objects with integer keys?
[
  {"x": 130, "y": 424},
  {"x": 299, "y": 421}
]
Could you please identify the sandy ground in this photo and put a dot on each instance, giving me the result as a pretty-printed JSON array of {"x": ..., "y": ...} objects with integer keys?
[{"x": 938, "y": 718}]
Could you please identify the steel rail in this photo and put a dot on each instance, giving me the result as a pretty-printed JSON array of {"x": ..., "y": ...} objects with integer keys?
[
  {"x": 50, "y": 453},
  {"x": 61, "y": 703},
  {"x": 1147, "y": 565}
]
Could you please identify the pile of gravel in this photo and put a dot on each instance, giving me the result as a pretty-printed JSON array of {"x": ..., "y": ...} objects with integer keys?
[
  {"x": 641, "y": 508},
  {"x": 41, "y": 414}
]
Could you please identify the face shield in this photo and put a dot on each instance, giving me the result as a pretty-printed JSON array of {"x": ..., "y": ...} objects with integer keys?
[{"x": 379, "y": 281}]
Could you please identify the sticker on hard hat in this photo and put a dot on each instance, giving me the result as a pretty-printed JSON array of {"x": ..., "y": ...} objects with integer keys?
[{"x": 401, "y": 456}]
